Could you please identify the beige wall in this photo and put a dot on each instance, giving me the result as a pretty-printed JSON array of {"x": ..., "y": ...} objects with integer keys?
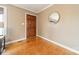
[
  {"x": 15, "y": 18},
  {"x": 66, "y": 31}
]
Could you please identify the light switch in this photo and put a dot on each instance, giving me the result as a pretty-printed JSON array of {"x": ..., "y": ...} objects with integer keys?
[{"x": 22, "y": 23}]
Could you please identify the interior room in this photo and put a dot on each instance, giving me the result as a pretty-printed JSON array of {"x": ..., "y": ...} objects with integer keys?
[{"x": 39, "y": 29}]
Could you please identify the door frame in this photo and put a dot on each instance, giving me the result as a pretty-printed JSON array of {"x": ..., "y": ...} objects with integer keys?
[{"x": 26, "y": 23}]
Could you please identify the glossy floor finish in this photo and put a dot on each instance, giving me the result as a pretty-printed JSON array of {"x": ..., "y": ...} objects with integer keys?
[{"x": 35, "y": 46}]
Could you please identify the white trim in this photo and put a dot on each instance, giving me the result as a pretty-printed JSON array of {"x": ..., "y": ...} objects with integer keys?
[
  {"x": 23, "y": 8},
  {"x": 37, "y": 25},
  {"x": 44, "y": 8},
  {"x": 70, "y": 49},
  {"x": 15, "y": 41},
  {"x": 3, "y": 52},
  {"x": 26, "y": 23},
  {"x": 31, "y": 14},
  {"x": 5, "y": 18},
  {"x": 32, "y": 10},
  {"x": 25, "y": 27}
]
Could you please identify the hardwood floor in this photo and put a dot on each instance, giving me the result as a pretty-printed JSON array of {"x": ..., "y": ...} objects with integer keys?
[{"x": 35, "y": 46}]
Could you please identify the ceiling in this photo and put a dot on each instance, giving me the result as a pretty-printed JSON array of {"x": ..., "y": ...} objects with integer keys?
[{"x": 33, "y": 7}]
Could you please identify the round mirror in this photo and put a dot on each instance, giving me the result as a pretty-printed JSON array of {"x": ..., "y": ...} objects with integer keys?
[{"x": 54, "y": 17}]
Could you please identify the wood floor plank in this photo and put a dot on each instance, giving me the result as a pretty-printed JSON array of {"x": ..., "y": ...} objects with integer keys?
[{"x": 35, "y": 46}]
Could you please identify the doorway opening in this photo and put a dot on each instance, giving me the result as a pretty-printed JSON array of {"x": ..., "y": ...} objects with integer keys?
[{"x": 3, "y": 21}]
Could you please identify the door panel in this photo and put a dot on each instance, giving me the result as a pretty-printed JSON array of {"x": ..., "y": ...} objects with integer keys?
[{"x": 31, "y": 26}]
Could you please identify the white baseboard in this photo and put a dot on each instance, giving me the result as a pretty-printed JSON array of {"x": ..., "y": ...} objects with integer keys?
[
  {"x": 63, "y": 46},
  {"x": 15, "y": 41}
]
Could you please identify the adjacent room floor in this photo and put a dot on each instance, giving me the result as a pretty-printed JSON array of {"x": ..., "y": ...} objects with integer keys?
[{"x": 35, "y": 46}]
